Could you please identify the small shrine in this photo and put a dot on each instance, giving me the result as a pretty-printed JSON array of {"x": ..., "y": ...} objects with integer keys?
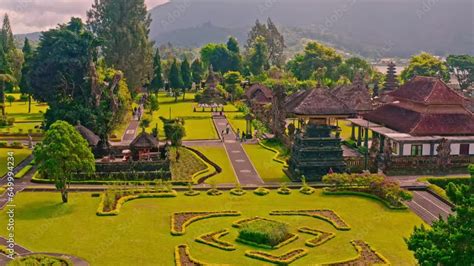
[
  {"x": 211, "y": 95},
  {"x": 391, "y": 83},
  {"x": 317, "y": 147},
  {"x": 144, "y": 147}
]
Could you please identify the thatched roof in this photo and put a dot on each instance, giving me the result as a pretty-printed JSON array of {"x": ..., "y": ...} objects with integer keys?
[
  {"x": 145, "y": 141},
  {"x": 316, "y": 102},
  {"x": 212, "y": 79},
  {"x": 356, "y": 96},
  {"x": 88, "y": 135},
  {"x": 259, "y": 93}
]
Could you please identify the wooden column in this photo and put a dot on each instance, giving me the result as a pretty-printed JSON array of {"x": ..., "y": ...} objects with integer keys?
[
  {"x": 382, "y": 143},
  {"x": 366, "y": 138},
  {"x": 359, "y": 136},
  {"x": 352, "y": 132}
]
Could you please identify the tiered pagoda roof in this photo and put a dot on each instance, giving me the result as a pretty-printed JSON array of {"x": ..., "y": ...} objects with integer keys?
[
  {"x": 211, "y": 95},
  {"x": 259, "y": 93},
  {"x": 316, "y": 102},
  {"x": 356, "y": 96},
  {"x": 425, "y": 106}
]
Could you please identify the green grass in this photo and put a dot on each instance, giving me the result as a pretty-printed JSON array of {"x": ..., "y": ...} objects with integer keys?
[
  {"x": 141, "y": 232},
  {"x": 197, "y": 129},
  {"x": 187, "y": 165},
  {"x": 219, "y": 156},
  {"x": 284, "y": 153},
  {"x": 19, "y": 154},
  {"x": 267, "y": 168},
  {"x": 347, "y": 130}
]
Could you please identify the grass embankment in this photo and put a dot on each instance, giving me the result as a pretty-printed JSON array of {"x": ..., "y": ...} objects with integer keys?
[
  {"x": 185, "y": 164},
  {"x": 268, "y": 169},
  {"x": 19, "y": 154},
  {"x": 50, "y": 226},
  {"x": 219, "y": 156}
]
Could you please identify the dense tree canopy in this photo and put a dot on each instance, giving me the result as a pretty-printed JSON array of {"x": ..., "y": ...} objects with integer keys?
[
  {"x": 123, "y": 26},
  {"x": 232, "y": 80},
  {"x": 273, "y": 39},
  {"x": 448, "y": 242},
  {"x": 316, "y": 57},
  {"x": 62, "y": 153},
  {"x": 66, "y": 74},
  {"x": 258, "y": 55},
  {"x": 425, "y": 64},
  {"x": 220, "y": 57},
  {"x": 355, "y": 65},
  {"x": 13, "y": 56},
  {"x": 197, "y": 71},
  {"x": 462, "y": 66}
]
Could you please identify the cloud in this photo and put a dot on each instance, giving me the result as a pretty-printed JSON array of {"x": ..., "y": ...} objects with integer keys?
[{"x": 38, "y": 15}]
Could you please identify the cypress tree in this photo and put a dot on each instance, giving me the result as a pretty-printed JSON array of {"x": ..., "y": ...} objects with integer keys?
[
  {"x": 197, "y": 72},
  {"x": 176, "y": 83},
  {"x": 157, "y": 81},
  {"x": 24, "y": 85},
  {"x": 8, "y": 42}
]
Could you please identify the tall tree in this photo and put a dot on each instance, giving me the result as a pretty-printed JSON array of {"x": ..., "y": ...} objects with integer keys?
[
  {"x": 258, "y": 55},
  {"x": 62, "y": 153},
  {"x": 462, "y": 66},
  {"x": 157, "y": 81},
  {"x": 273, "y": 38},
  {"x": 220, "y": 57},
  {"x": 5, "y": 77},
  {"x": 124, "y": 26},
  {"x": 425, "y": 64},
  {"x": 233, "y": 45},
  {"x": 66, "y": 74},
  {"x": 352, "y": 66},
  {"x": 176, "y": 82},
  {"x": 7, "y": 40},
  {"x": 232, "y": 80},
  {"x": 24, "y": 85},
  {"x": 448, "y": 242},
  {"x": 186, "y": 76},
  {"x": 197, "y": 72}
]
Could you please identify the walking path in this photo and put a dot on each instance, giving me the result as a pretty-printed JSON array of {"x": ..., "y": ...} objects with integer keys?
[
  {"x": 243, "y": 167},
  {"x": 428, "y": 207}
]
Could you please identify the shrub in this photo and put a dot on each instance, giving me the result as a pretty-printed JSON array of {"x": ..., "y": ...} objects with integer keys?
[
  {"x": 261, "y": 191},
  {"x": 40, "y": 260},
  {"x": 238, "y": 191},
  {"x": 10, "y": 121},
  {"x": 3, "y": 144},
  {"x": 305, "y": 189},
  {"x": 214, "y": 191},
  {"x": 191, "y": 192},
  {"x": 16, "y": 144},
  {"x": 284, "y": 190},
  {"x": 264, "y": 232}
]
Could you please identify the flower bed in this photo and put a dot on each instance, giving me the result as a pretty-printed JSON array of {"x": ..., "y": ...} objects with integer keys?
[
  {"x": 321, "y": 236},
  {"x": 212, "y": 239},
  {"x": 326, "y": 215},
  {"x": 179, "y": 220},
  {"x": 283, "y": 259},
  {"x": 110, "y": 205},
  {"x": 239, "y": 223},
  {"x": 366, "y": 256},
  {"x": 40, "y": 260},
  {"x": 183, "y": 258}
]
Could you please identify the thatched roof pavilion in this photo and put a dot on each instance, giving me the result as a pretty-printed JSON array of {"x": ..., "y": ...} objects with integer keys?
[
  {"x": 145, "y": 141},
  {"x": 355, "y": 95},
  {"x": 259, "y": 94},
  {"x": 88, "y": 135},
  {"x": 316, "y": 103}
]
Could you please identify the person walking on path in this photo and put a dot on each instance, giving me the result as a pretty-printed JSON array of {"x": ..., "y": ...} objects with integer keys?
[
  {"x": 243, "y": 137},
  {"x": 222, "y": 135},
  {"x": 227, "y": 129},
  {"x": 237, "y": 136}
]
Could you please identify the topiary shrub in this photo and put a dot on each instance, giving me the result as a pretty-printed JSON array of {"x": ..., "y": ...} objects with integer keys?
[
  {"x": 284, "y": 190},
  {"x": 191, "y": 192},
  {"x": 238, "y": 191},
  {"x": 264, "y": 233},
  {"x": 305, "y": 189},
  {"x": 261, "y": 191},
  {"x": 214, "y": 191}
]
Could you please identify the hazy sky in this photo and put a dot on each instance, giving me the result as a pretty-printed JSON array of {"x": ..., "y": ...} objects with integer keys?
[{"x": 37, "y": 15}]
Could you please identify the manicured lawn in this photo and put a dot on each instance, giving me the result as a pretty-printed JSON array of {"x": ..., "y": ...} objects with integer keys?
[
  {"x": 267, "y": 168},
  {"x": 200, "y": 129},
  {"x": 140, "y": 234},
  {"x": 20, "y": 155},
  {"x": 19, "y": 110},
  {"x": 219, "y": 156}
]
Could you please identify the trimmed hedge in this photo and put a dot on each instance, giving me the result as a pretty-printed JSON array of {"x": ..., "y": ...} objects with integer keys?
[
  {"x": 283, "y": 259},
  {"x": 39, "y": 259},
  {"x": 321, "y": 236},
  {"x": 277, "y": 154},
  {"x": 264, "y": 233},
  {"x": 215, "y": 242},
  {"x": 122, "y": 200},
  {"x": 196, "y": 216},
  {"x": 321, "y": 214},
  {"x": 261, "y": 191},
  {"x": 358, "y": 260},
  {"x": 184, "y": 250},
  {"x": 135, "y": 166},
  {"x": 327, "y": 191},
  {"x": 443, "y": 182},
  {"x": 23, "y": 171}
]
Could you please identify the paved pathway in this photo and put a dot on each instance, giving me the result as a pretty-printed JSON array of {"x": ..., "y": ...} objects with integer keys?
[
  {"x": 428, "y": 207},
  {"x": 243, "y": 167}
]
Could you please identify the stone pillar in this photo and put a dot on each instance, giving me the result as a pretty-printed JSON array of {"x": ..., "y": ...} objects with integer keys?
[
  {"x": 382, "y": 143},
  {"x": 432, "y": 148},
  {"x": 359, "y": 136},
  {"x": 401, "y": 148},
  {"x": 352, "y": 132}
]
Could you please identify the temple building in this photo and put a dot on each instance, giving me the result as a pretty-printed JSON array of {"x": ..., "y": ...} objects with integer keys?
[
  {"x": 211, "y": 96},
  {"x": 317, "y": 147},
  {"x": 258, "y": 97},
  {"x": 391, "y": 83},
  {"x": 355, "y": 95},
  {"x": 145, "y": 147},
  {"x": 422, "y": 114}
]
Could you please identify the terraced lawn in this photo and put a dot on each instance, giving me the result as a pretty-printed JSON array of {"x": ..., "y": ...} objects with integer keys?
[
  {"x": 19, "y": 154},
  {"x": 219, "y": 156},
  {"x": 140, "y": 234},
  {"x": 268, "y": 169}
]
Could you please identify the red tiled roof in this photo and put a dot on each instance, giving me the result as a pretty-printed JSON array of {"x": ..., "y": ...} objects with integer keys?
[
  {"x": 427, "y": 90},
  {"x": 415, "y": 123}
]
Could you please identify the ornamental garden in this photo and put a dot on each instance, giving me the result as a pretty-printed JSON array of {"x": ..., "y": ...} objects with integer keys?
[{"x": 227, "y": 160}]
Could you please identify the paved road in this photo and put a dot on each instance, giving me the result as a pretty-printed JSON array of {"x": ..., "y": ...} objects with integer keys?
[
  {"x": 243, "y": 167},
  {"x": 429, "y": 207}
]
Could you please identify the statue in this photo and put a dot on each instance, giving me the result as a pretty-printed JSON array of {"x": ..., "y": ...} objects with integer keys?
[
  {"x": 30, "y": 142},
  {"x": 387, "y": 154},
  {"x": 443, "y": 150}
]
